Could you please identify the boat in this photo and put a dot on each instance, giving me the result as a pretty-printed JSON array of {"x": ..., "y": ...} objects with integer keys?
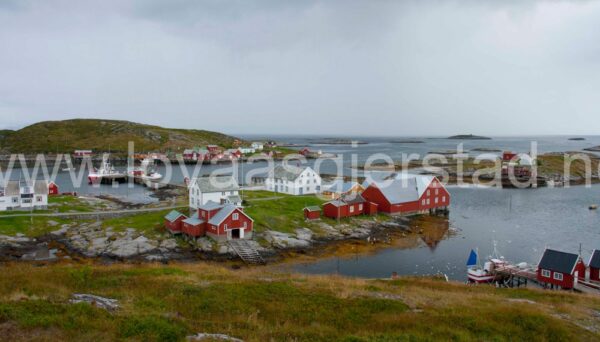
[
  {"x": 145, "y": 174},
  {"x": 478, "y": 274},
  {"x": 106, "y": 173},
  {"x": 593, "y": 207}
]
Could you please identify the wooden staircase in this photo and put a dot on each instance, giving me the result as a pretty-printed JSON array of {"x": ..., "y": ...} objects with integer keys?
[{"x": 246, "y": 252}]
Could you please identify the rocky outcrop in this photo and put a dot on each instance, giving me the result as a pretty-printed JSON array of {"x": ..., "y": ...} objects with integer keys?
[{"x": 97, "y": 301}]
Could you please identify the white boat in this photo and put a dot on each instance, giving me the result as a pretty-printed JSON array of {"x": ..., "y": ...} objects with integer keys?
[
  {"x": 145, "y": 173},
  {"x": 106, "y": 173},
  {"x": 483, "y": 274}
]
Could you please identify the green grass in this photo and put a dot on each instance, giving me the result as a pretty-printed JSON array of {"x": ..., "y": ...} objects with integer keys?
[
  {"x": 30, "y": 226},
  {"x": 283, "y": 214},
  {"x": 150, "y": 224},
  {"x": 167, "y": 303}
]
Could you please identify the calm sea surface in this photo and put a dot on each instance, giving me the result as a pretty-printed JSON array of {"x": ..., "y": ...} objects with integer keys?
[{"x": 523, "y": 222}]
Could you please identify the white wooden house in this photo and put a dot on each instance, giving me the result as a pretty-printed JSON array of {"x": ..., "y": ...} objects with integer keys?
[
  {"x": 16, "y": 195},
  {"x": 219, "y": 189},
  {"x": 257, "y": 146},
  {"x": 293, "y": 180}
]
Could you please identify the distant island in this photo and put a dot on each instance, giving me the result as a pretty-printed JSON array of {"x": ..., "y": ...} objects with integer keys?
[
  {"x": 406, "y": 141},
  {"x": 337, "y": 141},
  {"x": 468, "y": 137},
  {"x": 577, "y": 139},
  {"x": 486, "y": 149},
  {"x": 105, "y": 135}
]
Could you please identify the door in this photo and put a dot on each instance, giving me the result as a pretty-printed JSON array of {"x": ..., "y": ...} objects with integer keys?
[
  {"x": 235, "y": 233},
  {"x": 301, "y": 190}
]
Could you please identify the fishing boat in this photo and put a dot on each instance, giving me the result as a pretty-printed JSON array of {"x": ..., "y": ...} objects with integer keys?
[
  {"x": 106, "y": 173},
  {"x": 146, "y": 173},
  {"x": 483, "y": 274}
]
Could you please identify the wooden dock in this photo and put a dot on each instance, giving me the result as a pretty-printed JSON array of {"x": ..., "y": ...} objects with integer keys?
[{"x": 246, "y": 252}]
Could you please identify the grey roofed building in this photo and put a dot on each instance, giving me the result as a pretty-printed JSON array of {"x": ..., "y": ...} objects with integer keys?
[
  {"x": 313, "y": 208},
  {"x": 353, "y": 198},
  {"x": 558, "y": 261},
  {"x": 336, "y": 203},
  {"x": 216, "y": 183},
  {"x": 173, "y": 215},
  {"x": 595, "y": 259},
  {"x": 288, "y": 172},
  {"x": 234, "y": 199},
  {"x": 399, "y": 190}
]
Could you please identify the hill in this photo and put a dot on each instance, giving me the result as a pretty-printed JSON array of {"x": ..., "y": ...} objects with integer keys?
[
  {"x": 104, "y": 135},
  {"x": 168, "y": 303}
]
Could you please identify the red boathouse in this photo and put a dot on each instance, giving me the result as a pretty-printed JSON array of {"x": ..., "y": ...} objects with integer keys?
[
  {"x": 560, "y": 269},
  {"x": 52, "y": 189},
  {"x": 594, "y": 265},
  {"x": 312, "y": 213},
  {"x": 174, "y": 221}
]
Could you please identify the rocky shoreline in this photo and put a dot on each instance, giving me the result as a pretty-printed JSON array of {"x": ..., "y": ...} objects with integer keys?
[{"x": 92, "y": 242}]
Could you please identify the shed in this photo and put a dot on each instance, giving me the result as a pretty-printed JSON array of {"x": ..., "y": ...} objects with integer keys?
[
  {"x": 174, "y": 221},
  {"x": 312, "y": 213},
  {"x": 594, "y": 265},
  {"x": 560, "y": 269},
  {"x": 52, "y": 189}
]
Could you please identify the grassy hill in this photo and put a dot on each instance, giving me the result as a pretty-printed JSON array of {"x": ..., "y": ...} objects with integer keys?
[
  {"x": 102, "y": 135},
  {"x": 168, "y": 303}
]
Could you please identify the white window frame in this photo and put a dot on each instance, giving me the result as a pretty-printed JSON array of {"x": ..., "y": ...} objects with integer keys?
[
  {"x": 546, "y": 273},
  {"x": 360, "y": 206},
  {"x": 236, "y": 216},
  {"x": 351, "y": 208},
  {"x": 557, "y": 276}
]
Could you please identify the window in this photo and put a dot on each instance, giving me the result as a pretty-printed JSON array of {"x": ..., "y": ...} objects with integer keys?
[
  {"x": 225, "y": 226},
  {"x": 423, "y": 202},
  {"x": 437, "y": 191},
  {"x": 428, "y": 201},
  {"x": 203, "y": 214},
  {"x": 15, "y": 200},
  {"x": 558, "y": 276},
  {"x": 38, "y": 198},
  {"x": 245, "y": 224},
  {"x": 236, "y": 216},
  {"x": 351, "y": 208},
  {"x": 443, "y": 198},
  {"x": 223, "y": 193},
  {"x": 436, "y": 200},
  {"x": 546, "y": 273},
  {"x": 428, "y": 192},
  {"x": 360, "y": 207}
]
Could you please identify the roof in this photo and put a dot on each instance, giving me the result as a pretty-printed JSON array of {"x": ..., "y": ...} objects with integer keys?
[
  {"x": 353, "y": 198},
  {"x": 194, "y": 220},
  {"x": 210, "y": 205},
  {"x": 288, "y": 172},
  {"x": 234, "y": 199},
  {"x": 558, "y": 261},
  {"x": 12, "y": 188},
  {"x": 399, "y": 190},
  {"x": 312, "y": 208},
  {"x": 336, "y": 203},
  {"x": 215, "y": 183},
  {"x": 222, "y": 214},
  {"x": 173, "y": 215},
  {"x": 340, "y": 186},
  {"x": 40, "y": 187},
  {"x": 595, "y": 259}
]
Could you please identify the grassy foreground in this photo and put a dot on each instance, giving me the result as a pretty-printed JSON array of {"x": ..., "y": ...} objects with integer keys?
[{"x": 167, "y": 303}]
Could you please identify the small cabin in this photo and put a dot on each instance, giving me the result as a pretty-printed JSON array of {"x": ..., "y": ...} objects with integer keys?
[
  {"x": 53, "y": 189},
  {"x": 312, "y": 213},
  {"x": 560, "y": 269},
  {"x": 174, "y": 221},
  {"x": 594, "y": 265},
  {"x": 193, "y": 227}
]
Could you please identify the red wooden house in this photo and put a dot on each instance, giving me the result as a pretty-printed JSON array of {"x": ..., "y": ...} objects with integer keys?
[
  {"x": 305, "y": 151},
  {"x": 220, "y": 222},
  {"x": 174, "y": 221},
  {"x": 349, "y": 205},
  {"x": 403, "y": 195},
  {"x": 52, "y": 189},
  {"x": 193, "y": 226},
  {"x": 560, "y": 269},
  {"x": 82, "y": 153},
  {"x": 594, "y": 265},
  {"x": 312, "y": 213}
]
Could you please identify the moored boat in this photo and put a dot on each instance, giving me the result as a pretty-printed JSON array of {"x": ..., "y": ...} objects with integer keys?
[
  {"x": 483, "y": 274},
  {"x": 106, "y": 173}
]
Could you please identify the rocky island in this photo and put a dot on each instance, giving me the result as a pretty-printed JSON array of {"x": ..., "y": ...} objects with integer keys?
[{"x": 468, "y": 137}]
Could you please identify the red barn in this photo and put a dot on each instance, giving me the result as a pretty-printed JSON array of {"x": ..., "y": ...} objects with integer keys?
[
  {"x": 312, "y": 213},
  {"x": 52, "y": 189},
  {"x": 594, "y": 265},
  {"x": 560, "y": 269},
  {"x": 220, "y": 222},
  {"x": 174, "y": 221},
  {"x": 412, "y": 194}
]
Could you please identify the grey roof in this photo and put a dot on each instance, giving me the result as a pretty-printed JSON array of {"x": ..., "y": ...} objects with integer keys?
[
  {"x": 194, "y": 220},
  {"x": 12, "y": 188},
  {"x": 399, "y": 190},
  {"x": 234, "y": 199},
  {"x": 40, "y": 187},
  {"x": 353, "y": 198},
  {"x": 337, "y": 203},
  {"x": 216, "y": 183},
  {"x": 339, "y": 186},
  {"x": 313, "y": 208},
  {"x": 210, "y": 205},
  {"x": 173, "y": 215},
  {"x": 558, "y": 261},
  {"x": 288, "y": 172},
  {"x": 222, "y": 214},
  {"x": 595, "y": 259}
]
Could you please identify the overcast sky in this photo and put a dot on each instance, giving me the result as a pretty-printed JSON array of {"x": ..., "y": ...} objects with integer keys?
[{"x": 328, "y": 67}]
